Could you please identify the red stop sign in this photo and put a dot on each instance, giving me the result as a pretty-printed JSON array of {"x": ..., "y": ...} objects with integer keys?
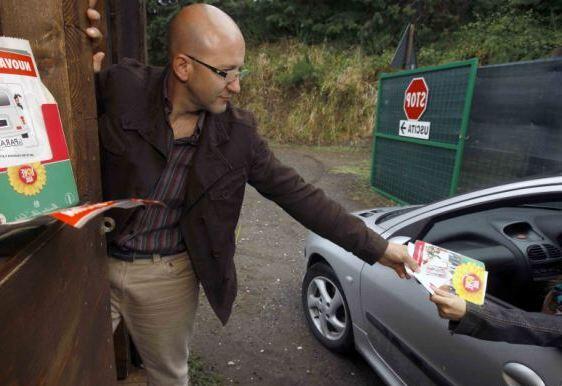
[{"x": 416, "y": 98}]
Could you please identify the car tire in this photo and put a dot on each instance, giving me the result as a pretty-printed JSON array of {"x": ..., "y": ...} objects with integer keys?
[{"x": 326, "y": 310}]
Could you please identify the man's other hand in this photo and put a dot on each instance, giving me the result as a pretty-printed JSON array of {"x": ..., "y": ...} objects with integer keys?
[
  {"x": 94, "y": 34},
  {"x": 449, "y": 306},
  {"x": 396, "y": 257}
]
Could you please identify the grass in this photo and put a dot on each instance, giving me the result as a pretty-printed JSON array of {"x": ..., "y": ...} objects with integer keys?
[
  {"x": 361, "y": 171},
  {"x": 313, "y": 95},
  {"x": 200, "y": 375}
]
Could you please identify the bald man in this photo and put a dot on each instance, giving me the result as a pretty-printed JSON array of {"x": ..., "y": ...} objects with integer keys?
[{"x": 172, "y": 134}]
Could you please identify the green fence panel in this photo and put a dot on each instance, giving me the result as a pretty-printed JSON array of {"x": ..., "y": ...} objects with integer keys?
[
  {"x": 419, "y": 166},
  {"x": 515, "y": 129}
]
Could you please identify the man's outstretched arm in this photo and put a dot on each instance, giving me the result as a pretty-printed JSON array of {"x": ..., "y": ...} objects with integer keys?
[{"x": 312, "y": 208}]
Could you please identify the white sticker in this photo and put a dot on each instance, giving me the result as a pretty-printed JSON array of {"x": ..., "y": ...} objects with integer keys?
[{"x": 414, "y": 129}]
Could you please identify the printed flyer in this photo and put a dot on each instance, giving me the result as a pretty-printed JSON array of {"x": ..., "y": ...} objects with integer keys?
[
  {"x": 35, "y": 172},
  {"x": 23, "y": 135},
  {"x": 442, "y": 267},
  {"x": 79, "y": 216},
  {"x": 76, "y": 216}
]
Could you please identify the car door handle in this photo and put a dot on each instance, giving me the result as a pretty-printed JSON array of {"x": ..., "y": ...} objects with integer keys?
[{"x": 516, "y": 374}]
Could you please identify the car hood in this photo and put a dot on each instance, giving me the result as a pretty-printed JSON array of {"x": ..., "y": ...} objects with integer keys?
[{"x": 370, "y": 216}]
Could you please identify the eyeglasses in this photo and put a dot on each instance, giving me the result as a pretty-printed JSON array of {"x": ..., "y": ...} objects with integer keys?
[{"x": 229, "y": 76}]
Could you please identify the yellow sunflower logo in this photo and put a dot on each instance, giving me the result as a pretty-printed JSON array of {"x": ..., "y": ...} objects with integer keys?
[
  {"x": 27, "y": 179},
  {"x": 469, "y": 282}
]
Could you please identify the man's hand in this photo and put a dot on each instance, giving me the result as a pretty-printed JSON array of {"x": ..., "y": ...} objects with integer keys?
[
  {"x": 449, "y": 306},
  {"x": 94, "y": 33},
  {"x": 396, "y": 257}
]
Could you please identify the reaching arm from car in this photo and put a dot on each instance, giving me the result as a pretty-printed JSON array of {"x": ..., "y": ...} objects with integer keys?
[
  {"x": 311, "y": 207},
  {"x": 492, "y": 322}
]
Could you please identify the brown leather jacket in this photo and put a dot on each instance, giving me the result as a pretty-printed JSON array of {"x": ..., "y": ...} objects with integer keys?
[{"x": 134, "y": 138}]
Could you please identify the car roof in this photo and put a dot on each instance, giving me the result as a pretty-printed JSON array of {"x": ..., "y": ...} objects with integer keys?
[{"x": 504, "y": 188}]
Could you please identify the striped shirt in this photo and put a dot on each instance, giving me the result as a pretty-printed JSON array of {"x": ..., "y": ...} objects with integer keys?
[{"x": 155, "y": 229}]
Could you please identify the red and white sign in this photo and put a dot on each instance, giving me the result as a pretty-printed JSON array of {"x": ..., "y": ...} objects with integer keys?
[
  {"x": 416, "y": 98},
  {"x": 16, "y": 64}
]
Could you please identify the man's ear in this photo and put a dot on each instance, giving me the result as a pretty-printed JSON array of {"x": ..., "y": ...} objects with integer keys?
[{"x": 182, "y": 67}]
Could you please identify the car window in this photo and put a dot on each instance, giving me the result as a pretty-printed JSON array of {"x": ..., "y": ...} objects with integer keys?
[{"x": 520, "y": 245}]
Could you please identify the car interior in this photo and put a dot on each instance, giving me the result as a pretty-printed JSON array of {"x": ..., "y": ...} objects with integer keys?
[{"x": 520, "y": 244}]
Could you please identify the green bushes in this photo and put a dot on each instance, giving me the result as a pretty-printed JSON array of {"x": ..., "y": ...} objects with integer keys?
[
  {"x": 500, "y": 38},
  {"x": 375, "y": 25},
  {"x": 302, "y": 73}
]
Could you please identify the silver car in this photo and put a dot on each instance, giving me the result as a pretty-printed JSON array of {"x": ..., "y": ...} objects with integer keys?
[{"x": 515, "y": 229}]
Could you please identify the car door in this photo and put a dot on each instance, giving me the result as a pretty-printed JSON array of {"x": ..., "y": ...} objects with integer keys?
[{"x": 403, "y": 326}]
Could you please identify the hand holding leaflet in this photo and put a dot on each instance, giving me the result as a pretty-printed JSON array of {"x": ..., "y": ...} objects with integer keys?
[{"x": 442, "y": 267}]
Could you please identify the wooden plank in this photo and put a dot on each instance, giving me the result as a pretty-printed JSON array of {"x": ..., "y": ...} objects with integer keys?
[
  {"x": 55, "y": 320},
  {"x": 105, "y": 44}
]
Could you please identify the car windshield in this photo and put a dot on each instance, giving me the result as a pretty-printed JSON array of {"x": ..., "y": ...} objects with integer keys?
[{"x": 554, "y": 205}]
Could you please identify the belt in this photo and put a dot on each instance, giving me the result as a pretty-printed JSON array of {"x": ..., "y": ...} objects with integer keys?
[{"x": 132, "y": 255}]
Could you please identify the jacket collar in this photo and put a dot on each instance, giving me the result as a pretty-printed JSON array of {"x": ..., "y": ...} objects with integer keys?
[
  {"x": 151, "y": 122},
  {"x": 215, "y": 126},
  {"x": 147, "y": 116}
]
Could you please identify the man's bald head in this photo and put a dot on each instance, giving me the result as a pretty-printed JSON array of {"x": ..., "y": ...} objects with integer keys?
[{"x": 199, "y": 29}]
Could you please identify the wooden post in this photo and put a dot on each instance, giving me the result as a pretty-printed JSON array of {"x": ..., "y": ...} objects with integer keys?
[
  {"x": 125, "y": 38},
  {"x": 55, "y": 326},
  {"x": 127, "y": 29}
]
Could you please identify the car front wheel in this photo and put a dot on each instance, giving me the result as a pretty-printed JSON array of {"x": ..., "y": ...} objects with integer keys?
[{"x": 325, "y": 308}]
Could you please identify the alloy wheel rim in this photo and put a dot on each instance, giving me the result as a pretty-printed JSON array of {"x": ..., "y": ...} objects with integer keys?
[{"x": 326, "y": 308}]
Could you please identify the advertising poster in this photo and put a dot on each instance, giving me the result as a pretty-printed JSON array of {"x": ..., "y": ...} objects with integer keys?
[{"x": 36, "y": 176}]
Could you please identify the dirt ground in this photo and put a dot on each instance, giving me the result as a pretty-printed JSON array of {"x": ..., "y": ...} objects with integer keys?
[{"x": 266, "y": 341}]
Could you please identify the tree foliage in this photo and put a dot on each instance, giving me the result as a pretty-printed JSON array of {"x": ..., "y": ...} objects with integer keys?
[{"x": 375, "y": 25}]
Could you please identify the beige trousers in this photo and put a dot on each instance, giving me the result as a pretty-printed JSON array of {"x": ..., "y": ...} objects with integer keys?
[{"x": 158, "y": 299}]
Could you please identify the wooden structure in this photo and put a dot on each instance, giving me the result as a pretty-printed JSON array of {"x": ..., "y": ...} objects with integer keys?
[
  {"x": 55, "y": 326},
  {"x": 126, "y": 30}
]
